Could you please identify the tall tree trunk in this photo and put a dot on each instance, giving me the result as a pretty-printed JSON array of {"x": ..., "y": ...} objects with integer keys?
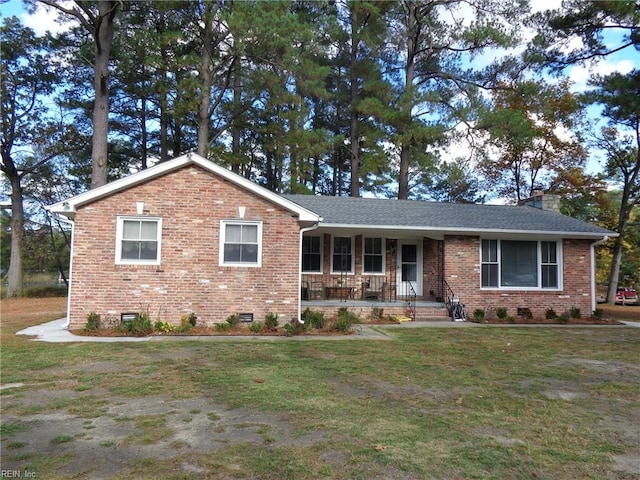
[
  {"x": 15, "y": 273},
  {"x": 354, "y": 135},
  {"x": 164, "y": 124},
  {"x": 406, "y": 106},
  {"x": 207, "y": 78},
  {"x": 103, "y": 35},
  {"x": 236, "y": 130},
  {"x": 629, "y": 200},
  {"x": 614, "y": 272},
  {"x": 144, "y": 140}
]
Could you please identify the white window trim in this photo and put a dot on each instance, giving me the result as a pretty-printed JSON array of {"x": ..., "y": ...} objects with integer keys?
[
  {"x": 384, "y": 256},
  {"x": 352, "y": 268},
  {"x": 539, "y": 288},
  {"x": 316, "y": 272},
  {"x": 119, "y": 232},
  {"x": 223, "y": 230}
]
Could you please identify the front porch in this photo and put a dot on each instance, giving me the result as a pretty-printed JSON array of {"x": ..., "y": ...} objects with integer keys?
[{"x": 365, "y": 309}]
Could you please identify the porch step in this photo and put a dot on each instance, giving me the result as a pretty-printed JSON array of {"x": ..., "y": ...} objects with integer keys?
[
  {"x": 429, "y": 314},
  {"x": 425, "y": 311}
]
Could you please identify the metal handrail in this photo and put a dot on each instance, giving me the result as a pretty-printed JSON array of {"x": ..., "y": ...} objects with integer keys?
[
  {"x": 449, "y": 294},
  {"x": 449, "y": 299},
  {"x": 411, "y": 301}
]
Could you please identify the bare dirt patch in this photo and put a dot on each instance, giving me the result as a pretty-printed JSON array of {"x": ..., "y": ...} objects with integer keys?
[
  {"x": 630, "y": 313},
  {"x": 24, "y": 312}
]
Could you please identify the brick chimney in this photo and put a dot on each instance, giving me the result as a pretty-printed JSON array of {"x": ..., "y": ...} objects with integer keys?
[{"x": 542, "y": 201}]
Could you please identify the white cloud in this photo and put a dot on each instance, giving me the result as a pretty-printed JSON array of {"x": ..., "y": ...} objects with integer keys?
[
  {"x": 45, "y": 19},
  {"x": 542, "y": 5},
  {"x": 580, "y": 74}
]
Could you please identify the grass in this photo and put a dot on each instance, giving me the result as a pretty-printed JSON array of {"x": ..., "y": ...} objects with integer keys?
[{"x": 470, "y": 403}]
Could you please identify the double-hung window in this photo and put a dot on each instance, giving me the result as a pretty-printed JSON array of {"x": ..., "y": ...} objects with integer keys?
[
  {"x": 342, "y": 255},
  {"x": 549, "y": 265},
  {"x": 373, "y": 253},
  {"x": 138, "y": 240},
  {"x": 312, "y": 254},
  {"x": 520, "y": 264},
  {"x": 240, "y": 243}
]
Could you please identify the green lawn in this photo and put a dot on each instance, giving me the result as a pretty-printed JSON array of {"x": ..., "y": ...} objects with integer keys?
[{"x": 460, "y": 403}]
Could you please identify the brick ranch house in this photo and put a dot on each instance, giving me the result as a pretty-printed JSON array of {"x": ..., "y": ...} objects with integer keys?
[{"x": 189, "y": 236}]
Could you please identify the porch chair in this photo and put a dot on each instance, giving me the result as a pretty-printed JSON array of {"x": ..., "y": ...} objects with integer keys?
[
  {"x": 316, "y": 290},
  {"x": 373, "y": 288}
]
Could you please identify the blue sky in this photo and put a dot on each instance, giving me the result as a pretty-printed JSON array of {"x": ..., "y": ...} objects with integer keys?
[{"x": 622, "y": 62}]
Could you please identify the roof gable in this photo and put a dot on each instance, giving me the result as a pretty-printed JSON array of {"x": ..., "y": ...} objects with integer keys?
[{"x": 69, "y": 206}]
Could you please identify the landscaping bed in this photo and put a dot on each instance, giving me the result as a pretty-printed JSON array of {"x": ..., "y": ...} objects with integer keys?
[
  {"x": 572, "y": 317},
  {"x": 549, "y": 321},
  {"x": 314, "y": 323}
]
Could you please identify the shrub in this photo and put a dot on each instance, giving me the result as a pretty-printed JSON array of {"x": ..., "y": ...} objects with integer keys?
[
  {"x": 598, "y": 313},
  {"x": 575, "y": 312},
  {"x": 255, "y": 327},
  {"x": 345, "y": 320},
  {"x": 342, "y": 325},
  {"x": 191, "y": 318},
  {"x": 93, "y": 322},
  {"x": 222, "y": 327},
  {"x": 564, "y": 318},
  {"x": 550, "y": 314},
  {"x": 289, "y": 329},
  {"x": 187, "y": 322},
  {"x": 377, "y": 313},
  {"x": 313, "y": 319},
  {"x": 510, "y": 319},
  {"x": 478, "y": 314},
  {"x": 164, "y": 327},
  {"x": 233, "y": 320},
  {"x": 501, "y": 313},
  {"x": 271, "y": 321},
  {"x": 140, "y": 326}
]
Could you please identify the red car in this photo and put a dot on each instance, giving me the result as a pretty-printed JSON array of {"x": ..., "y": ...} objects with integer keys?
[{"x": 626, "y": 294}]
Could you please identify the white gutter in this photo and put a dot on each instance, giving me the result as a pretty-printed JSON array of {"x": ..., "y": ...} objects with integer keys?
[
  {"x": 302, "y": 232},
  {"x": 503, "y": 232},
  {"x": 593, "y": 270},
  {"x": 60, "y": 218}
]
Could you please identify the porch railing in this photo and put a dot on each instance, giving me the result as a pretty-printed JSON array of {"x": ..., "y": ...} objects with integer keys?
[
  {"x": 410, "y": 298},
  {"x": 449, "y": 294}
]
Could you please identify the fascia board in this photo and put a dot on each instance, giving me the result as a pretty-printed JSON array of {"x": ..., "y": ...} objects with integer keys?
[{"x": 470, "y": 231}]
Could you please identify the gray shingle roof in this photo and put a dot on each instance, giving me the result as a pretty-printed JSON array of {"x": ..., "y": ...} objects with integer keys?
[{"x": 452, "y": 217}]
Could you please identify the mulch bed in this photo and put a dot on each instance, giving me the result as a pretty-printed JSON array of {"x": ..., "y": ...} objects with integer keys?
[
  {"x": 549, "y": 321},
  {"x": 204, "y": 331}
]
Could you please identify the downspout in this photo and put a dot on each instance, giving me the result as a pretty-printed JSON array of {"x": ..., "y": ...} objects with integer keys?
[
  {"x": 593, "y": 270},
  {"x": 302, "y": 232},
  {"x": 60, "y": 218}
]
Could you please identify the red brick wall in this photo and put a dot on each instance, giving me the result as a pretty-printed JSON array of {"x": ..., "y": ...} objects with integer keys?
[
  {"x": 191, "y": 203},
  {"x": 462, "y": 272}
]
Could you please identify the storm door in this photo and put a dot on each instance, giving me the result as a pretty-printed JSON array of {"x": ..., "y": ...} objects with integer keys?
[{"x": 409, "y": 268}]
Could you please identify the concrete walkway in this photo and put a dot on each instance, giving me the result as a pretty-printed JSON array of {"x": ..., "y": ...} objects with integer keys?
[{"x": 56, "y": 332}]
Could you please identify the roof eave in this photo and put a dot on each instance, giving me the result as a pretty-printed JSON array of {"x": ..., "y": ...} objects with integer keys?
[{"x": 471, "y": 231}]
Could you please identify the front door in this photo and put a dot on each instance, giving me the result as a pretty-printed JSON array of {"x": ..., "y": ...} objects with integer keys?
[{"x": 409, "y": 268}]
